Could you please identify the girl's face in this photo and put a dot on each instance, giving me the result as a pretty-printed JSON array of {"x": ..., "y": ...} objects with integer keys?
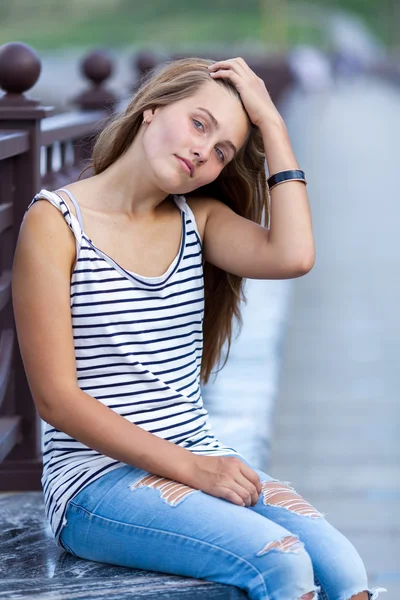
[{"x": 189, "y": 142}]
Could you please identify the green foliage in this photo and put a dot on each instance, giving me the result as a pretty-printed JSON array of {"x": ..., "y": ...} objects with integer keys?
[{"x": 169, "y": 23}]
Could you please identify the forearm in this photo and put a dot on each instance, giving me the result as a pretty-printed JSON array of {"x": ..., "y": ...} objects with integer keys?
[
  {"x": 290, "y": 219},
  {"x": 87, "y": 420}
]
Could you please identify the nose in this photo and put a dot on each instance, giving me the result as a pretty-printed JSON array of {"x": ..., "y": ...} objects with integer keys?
[
  {"x": 198, "y": 157},
  {"x": 202, "y": 154}
]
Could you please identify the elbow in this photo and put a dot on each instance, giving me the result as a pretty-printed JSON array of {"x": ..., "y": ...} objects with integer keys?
[
  {"x": 302, "y": 266},
  {"x": 308, "y": 263},
  {"x": 52, "y": 415},
  {"x": 49, "y": 409},
  {"x": 44, "y": 411}
]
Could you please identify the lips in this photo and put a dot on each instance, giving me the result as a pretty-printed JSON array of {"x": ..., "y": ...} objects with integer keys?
[{"x": 187, "y": 164}]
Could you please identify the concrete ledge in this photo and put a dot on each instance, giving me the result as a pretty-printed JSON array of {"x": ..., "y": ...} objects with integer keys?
[{"x": 32, "y": 566}]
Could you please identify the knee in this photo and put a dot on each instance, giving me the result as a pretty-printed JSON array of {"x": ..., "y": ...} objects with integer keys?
[
  {"x": 287, "y": 570},
  {"x": 345, "y": 576},
  {"x": 352, "y": 568}
]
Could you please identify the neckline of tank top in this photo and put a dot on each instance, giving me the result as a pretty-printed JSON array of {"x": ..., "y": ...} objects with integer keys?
[
  {"x": 171, "y": 266},
  {"x": 158, "y": 279},
  {"x": 137, "y": 276}
]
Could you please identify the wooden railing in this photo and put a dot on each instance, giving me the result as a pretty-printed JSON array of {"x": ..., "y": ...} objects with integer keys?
[{"x": 27, "y": 131}]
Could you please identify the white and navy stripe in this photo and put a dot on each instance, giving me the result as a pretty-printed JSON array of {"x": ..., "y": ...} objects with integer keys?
[{"x": 138, "y": 347}]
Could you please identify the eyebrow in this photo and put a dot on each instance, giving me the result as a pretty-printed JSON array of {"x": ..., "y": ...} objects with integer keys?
[{"x": 216, "y": 125}]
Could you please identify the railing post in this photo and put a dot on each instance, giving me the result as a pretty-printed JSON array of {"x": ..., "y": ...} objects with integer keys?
[
  {"x": 143, "y": 62},
  {"x": 19, "y": 70},
  {"x": 97, "y": 67}
]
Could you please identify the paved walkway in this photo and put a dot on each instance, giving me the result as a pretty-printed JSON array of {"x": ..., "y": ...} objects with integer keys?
[
  {"x": 242, "y": 398},
  {"x": 337, "y": 417}
]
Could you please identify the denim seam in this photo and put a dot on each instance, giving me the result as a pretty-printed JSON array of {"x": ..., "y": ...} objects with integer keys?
[
  {"x": 67, "y": 548},
  {"x": 180, "y": 536}
]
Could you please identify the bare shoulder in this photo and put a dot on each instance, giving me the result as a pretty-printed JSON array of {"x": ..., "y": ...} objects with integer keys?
[
  {"x": 202, "y": 203},
  {"x": 44, "y": 218},
  {"x": 43, "y": 229},
  {"x": 78, "y": 189}
]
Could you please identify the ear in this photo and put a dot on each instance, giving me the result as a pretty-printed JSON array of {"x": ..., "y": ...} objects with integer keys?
[{"x": 148, "y": 114}]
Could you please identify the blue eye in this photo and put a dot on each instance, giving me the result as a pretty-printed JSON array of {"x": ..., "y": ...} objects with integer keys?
[
  {"x": 199, "y": 125},
  {"x": 221, "y": 154},
  {"x": 199, "y": 122}
]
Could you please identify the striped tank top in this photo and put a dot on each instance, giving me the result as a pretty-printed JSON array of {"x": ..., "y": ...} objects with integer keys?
[{"x": 138, "y": 349}]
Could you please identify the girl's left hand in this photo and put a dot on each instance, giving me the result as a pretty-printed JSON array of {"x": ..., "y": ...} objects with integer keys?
[{"x": 252, "y": 90}]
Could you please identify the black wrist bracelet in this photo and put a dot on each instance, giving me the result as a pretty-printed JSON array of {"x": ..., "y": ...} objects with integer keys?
[{"x": 289, "y": 175}]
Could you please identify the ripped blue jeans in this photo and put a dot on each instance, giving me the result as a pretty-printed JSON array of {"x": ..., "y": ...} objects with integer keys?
[{"x": 280, "y": 549}]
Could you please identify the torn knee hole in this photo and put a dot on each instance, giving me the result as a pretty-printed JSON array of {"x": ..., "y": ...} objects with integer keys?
[
  {"x": 287, "y": 544},
  {"x": 279, "y": 494},
  {"x": 171, "y": 491}
]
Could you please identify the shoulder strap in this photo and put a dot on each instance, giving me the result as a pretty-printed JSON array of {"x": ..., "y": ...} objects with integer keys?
[
  {"x": 74, "y": 202},
  {"x": 57, "y": 201},
  {"x": 185, "y": 208}
]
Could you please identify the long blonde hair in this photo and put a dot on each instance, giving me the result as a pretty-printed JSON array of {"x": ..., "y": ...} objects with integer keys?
[{"x": 241, "y": 185}]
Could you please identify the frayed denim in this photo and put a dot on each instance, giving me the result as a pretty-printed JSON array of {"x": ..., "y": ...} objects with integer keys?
[{"x": 280, "y": 549}]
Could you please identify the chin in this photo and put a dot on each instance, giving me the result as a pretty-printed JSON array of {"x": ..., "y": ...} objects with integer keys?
[
  {"x": 176, "y": 187},
  {"x": 172, "y": 182}
]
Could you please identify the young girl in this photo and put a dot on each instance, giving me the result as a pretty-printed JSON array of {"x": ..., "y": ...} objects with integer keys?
[{"x": 116, "y": 279}]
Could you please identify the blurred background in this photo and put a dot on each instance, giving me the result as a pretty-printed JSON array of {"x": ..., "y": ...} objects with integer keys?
[
  {"x": 352, "y": 34},
  {"x": 310, "y": 391},
  {"x": 171, "y": 24}
]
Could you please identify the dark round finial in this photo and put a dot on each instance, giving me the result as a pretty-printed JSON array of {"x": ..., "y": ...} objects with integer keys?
[
  {"x": 144, "y": 62},
  {"x": 97, "y": 66},
  {"x": 20, "y": 67}
]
